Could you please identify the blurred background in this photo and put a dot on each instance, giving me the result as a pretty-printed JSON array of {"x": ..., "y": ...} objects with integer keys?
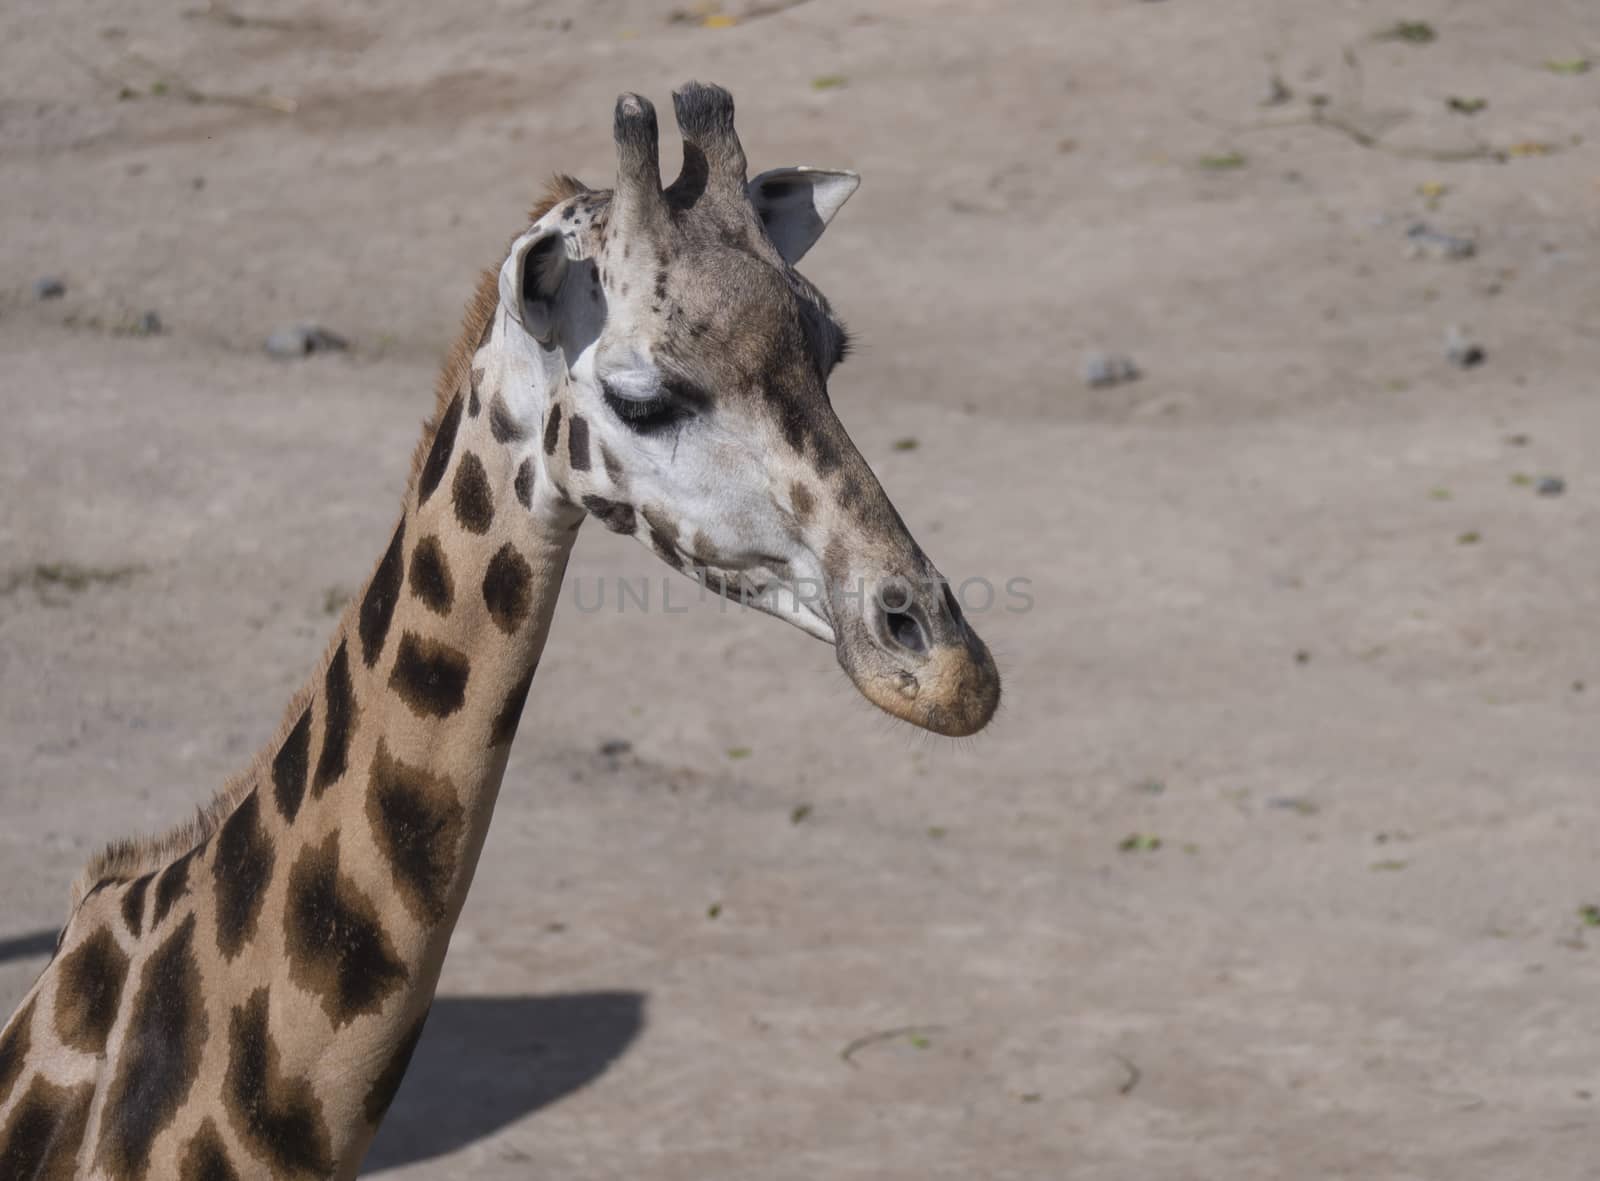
[{"x": 1259, "y": 336}]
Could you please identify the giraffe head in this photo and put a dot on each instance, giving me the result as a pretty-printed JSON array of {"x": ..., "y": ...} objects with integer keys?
[{"x": 685, "y": 364}]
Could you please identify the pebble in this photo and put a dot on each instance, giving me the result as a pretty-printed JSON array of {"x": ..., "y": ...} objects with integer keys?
[
  {"x": 1425, "y": 240},
  {"x": 1275, "y": 93},
  {"x": 148, "y": 324},
  {"x": 301, "y": 340},
  {"x": 1107, "y": 369},
  {"x": 1550, "y": 486},
  {"x": 615, "y": 747},
  {"x": 49, "y": 287},
  {"x": 1461, "y": 350}
]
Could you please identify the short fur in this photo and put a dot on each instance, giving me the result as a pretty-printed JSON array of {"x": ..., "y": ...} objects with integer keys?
[{"x": 129, "y": 858}]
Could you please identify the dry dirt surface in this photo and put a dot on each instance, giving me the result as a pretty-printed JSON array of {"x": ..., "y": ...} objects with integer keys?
[{"x": 1275, "y": 863}]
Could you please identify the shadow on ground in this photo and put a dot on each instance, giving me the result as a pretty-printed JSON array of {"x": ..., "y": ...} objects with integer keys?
[
  {"x": 485, "y": 1062},
  {"x": 34, "y": 943}
]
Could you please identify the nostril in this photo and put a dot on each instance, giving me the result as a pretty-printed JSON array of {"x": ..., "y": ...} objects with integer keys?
[{"x": 907, "y": 631}]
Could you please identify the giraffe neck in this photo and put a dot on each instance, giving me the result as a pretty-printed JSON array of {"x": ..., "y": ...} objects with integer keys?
[
  {"x": 407, "y": 737},
  {"x": 258, "y": 998}
]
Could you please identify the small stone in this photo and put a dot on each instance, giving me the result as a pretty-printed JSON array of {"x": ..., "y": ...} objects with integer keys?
[
  {"x": 1438, "y": 244},
  {"x": 1550, "y": 486},
  {"x": 1461, "y": 350},
  {"x": 1108, "y": 369},
  {"x": 301, "y": 340},
  {"x": 615, "y": 747},
  {"x": 1276, "y": 92},
  {"x": 146, "y": 324},
  {"x": 49, "y": 287}
]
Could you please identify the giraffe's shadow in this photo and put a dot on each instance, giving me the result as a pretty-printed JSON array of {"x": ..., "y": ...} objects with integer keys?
[{"x": 486, "y": 1061}]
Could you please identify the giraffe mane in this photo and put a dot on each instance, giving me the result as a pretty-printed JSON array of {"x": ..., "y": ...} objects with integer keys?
[{"x": 133, "y": 857}]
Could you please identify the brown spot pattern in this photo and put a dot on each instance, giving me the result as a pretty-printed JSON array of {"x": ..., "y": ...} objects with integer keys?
[
  {"x": 804, "y": 503},
  {"x": 336, "y": 945},
  {"x": 205, "y": 1157},
  {"x": 552, "y": 430},
  {"x": 133, "y": 904},
  {"x": 338, "y": 722},
  {"x": 291, "y": 765},
  {"x": 578, "y": 443},
  {"x": 418, "y": 825},
  {"x": 41, "y": 1138},
  {"x": 88, "y": 990},
  {"x": 430, "y": 676},
  {"x": 278, "y": 1116},
  {"x": 160, "y": 1056},
  {"x": 505, "y": 722},
  {"x": 14, "y": 1048},
  {"x": 472, "y": 496},
  {"x": 508, "y": 588},
  {"x": 172, "y": 885},
  {"x": 241, "y": 871},
  {"x": 430, "y": 576}
]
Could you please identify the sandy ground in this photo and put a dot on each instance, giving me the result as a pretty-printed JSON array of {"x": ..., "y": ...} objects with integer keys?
[{"x": 1298, "y": 612}]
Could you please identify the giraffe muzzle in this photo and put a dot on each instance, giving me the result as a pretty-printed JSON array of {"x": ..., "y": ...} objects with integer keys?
[{"x": 911, "y": 652}]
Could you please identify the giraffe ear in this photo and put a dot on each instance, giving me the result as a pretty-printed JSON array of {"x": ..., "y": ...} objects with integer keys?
[
  {"x": 796, "y": 205},
  {"x": 531, "y": 279}
]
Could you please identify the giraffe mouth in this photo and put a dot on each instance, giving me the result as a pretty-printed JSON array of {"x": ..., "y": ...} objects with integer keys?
[{"x": 763, "y": 588}]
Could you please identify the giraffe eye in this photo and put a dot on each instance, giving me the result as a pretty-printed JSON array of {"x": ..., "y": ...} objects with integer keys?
[{"x": 646, "y": 415}]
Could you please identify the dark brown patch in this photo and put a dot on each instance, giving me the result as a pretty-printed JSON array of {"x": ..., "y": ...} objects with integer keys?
[
  {"x": 471, "y": 495},
  {"x": 524, "y": 483},
  {"x": 508, "y": 588},
  {"x": 160, "y": 1056},
  {"x": 429, "y": 676},
  {"x": 277, "y": 1116},
  {"x": 172, "y": 885},
  {"x": 338, "y": 723},
  {"x": 205, "y": 1157},
  {"x": 613, "y": 468},
  {"x": 377, "y": 605},
  {"x": 241, "y": 871},
  {"x": 502, "y": 426},
  {"x": 14, "y": 1048},
  {"x": 335, "y": 943},
  {"x": 383, "y": 1089},
  {"x": 41, "y": 1139},
  {"x": 850, "y": 493},
  {"x": 804, "y": 503},
  {"x": 578, "y": 443},
  {"x": 613, "y": 514},
  {"x": 88, "y": 990},
  {"x": 663, "y": 537},
  {"x": 290, "y": 766},
  {"x": 430, "y": 576},
  {"x": 702, "y": 548},
  {"x": 133, "y": 905},
  {"x": 444, "y": 441},
  {"x": 552, "y": 430},
  {"x": 505, "y": 722},
  {"x": 418, "y": 825}
]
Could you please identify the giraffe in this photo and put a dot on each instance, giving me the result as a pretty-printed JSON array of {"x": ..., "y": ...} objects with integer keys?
[{"x": 240, "y": 998}]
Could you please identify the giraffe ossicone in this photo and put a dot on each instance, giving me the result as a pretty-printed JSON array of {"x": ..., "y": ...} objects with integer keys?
[{"x": 240, "y": 997}]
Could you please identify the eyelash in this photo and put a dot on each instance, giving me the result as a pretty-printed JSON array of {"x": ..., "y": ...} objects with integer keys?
[{"x": 650, "y": 415}]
